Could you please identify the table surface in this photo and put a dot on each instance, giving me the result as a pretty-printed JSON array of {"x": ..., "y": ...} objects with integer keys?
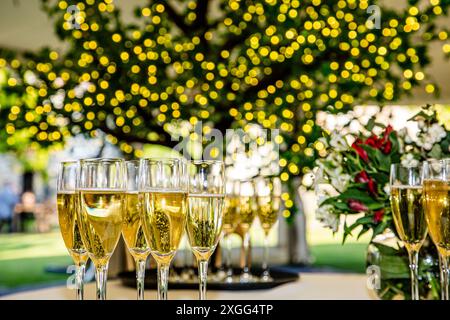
[{"x": 310, "y": 286}]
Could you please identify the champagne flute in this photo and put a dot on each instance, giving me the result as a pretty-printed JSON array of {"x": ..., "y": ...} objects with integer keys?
[
  {"x": 436, "y": 188},
  {"x": 101, "y": 188},
  {"x": 247, "y": 213},
  {"x": 67, "y": 205},
  {"x": 132, "y": 229},
  {"x": 409, "y": 217},
  {"x": 205, "y": 209},
  {"x": 268, "y": 197},
  {"x": 230, "y": 222},
  {"x": 163, "y": 199}
]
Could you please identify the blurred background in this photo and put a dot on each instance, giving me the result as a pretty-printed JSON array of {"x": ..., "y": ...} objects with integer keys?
[{"x": 32, "y": 253}]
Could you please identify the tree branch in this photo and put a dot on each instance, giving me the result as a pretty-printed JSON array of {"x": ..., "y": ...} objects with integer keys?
[
  {"x": 130, "y": 138},
  {"x": 176, "y": 18},
  {"x": 202, "y": 13}
]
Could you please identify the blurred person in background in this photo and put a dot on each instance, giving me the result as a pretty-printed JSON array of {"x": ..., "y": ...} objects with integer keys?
[
  {"x": 8, "y": 202},
  {"x": 26, "y": 211}
]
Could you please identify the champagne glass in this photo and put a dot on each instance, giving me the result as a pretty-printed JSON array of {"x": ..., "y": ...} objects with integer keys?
[
  {"x": 163, "y": 197},
  {"x": 230, "y": 222},
  {"x": 101, "y": 188},
  {"x": 132, "y": 229},
  {"x": 205, "y": 209},
  {"x": 67, "y": 205},
  {"x": 247, "y": 212},
  {"x": 436, "y": 188},
  {"x": 268, "y": 198},
  {"x": 409, "y": 217}
]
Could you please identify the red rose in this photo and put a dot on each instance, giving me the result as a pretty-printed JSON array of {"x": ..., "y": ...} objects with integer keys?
[
  {"x": 378, "y": 215},
  {"x": 387, "y": 147},
  {"x": 387, "y": 132},
  {"x": 372, "y": 186},
  {"x": 387, "y": 144},
  {"x": 359, "y": 150},
  {"x": 356, "y": 205},
  {"x": 374, "y": 142},
  {"x": 362, "y": 177}
]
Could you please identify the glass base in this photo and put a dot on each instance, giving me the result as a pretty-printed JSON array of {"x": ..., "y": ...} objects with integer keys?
[
  {"x": 266, "y": 278},
  {"x": 247, "y": 277}
]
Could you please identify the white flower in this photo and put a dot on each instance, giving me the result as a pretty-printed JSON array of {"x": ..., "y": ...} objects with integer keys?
[
  {"x": 403, "y": 132},
  {"x": 408, "y": 139},
  {"x": 408, "y": 160},
  {"x": 308, "y": 179},
  {"x": 326, "y": 215},
  {"x": 421, "y": 124},
  {"x": 387, "y": 189},
  {"x": 437, "y": 132},
  {"x": 338, "y": 142},
  {"x": 340, "y": 182},
  {"x": 427, "y": 146}
]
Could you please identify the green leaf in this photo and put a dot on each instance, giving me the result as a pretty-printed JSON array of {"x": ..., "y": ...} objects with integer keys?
[
  {"x": 436, "y": 152},
  {"x": 421, "y": 114},
  {"x": 376, "y": 206},
  {"x": 386, "y": 250},
  {"x": 342, "y": 206},
  {"x": 356, "y": 194},
  {"x": 394, "y": 267},
  {"x": 371, "y": 124}
]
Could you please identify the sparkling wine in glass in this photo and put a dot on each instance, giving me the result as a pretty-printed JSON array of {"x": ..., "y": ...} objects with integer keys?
[
  {"x": 102, "y": 191},
  {"x": 436, "y": 194},
  {"x": 67, "y": 207},
  {"x": 132, "y": 229},
  {"x": 268, "y": 198},
  {"x": 230, "y": 222},
  {"x": 247, "y": 209},
  {"x": 409, "y": 216},
  {"x": 205, "y": 213},
  {"x": 163, "y": 199}
]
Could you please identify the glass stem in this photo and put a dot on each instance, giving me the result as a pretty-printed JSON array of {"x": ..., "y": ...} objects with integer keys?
[
  {"x": 414, "y": 268},
  {"x": 246, "y": 271},
  {"x": 79, "y": 278},
  {"x": 443, "y": 262},
  {"x": 163, "y": 280},
  {"x": 140, "y": 278},
  {"x": 202, "y": 277},
  {"x": 101, "y": 273},
  {"x": 228, "y": 265},
  {"x": 265, "y": 264}
]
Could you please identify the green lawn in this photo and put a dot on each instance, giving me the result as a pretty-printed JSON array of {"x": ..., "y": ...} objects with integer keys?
[
  {"x": 24, "y": 258},
  {"x": 348, "y": 257}
]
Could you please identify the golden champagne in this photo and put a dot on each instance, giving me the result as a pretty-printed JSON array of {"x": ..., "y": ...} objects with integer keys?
[
  {"x": 409, "y": 216},
  {"x": 164, "y": 219},
  {"x": 247, "y": 211},
  {"x": 268, "y": 209},
  {"x": 230, "y": 214},
  {"x": 67, "y": 205},
  {"x": 132, "y": 229},
  {"x": 101, "y": 218},
  {"x": 204, "y": 223},
  {"x": 437, "y": 212}
]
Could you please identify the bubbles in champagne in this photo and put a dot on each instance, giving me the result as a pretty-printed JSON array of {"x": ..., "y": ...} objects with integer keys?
[
  {"x": 204, "y": 223},
  {"x": 101, "y": 222},
  {"x": 67, "y": 205}
]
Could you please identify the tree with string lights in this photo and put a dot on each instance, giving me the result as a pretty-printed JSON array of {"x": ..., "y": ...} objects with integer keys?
[{"x": 228, "y": 64}]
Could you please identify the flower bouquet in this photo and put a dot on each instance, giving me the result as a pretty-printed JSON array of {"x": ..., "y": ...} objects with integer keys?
[{"x": 353, "y": 179}]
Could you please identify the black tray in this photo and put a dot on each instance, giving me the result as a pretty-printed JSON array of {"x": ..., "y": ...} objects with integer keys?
[{"x": 280, "y": 277}]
